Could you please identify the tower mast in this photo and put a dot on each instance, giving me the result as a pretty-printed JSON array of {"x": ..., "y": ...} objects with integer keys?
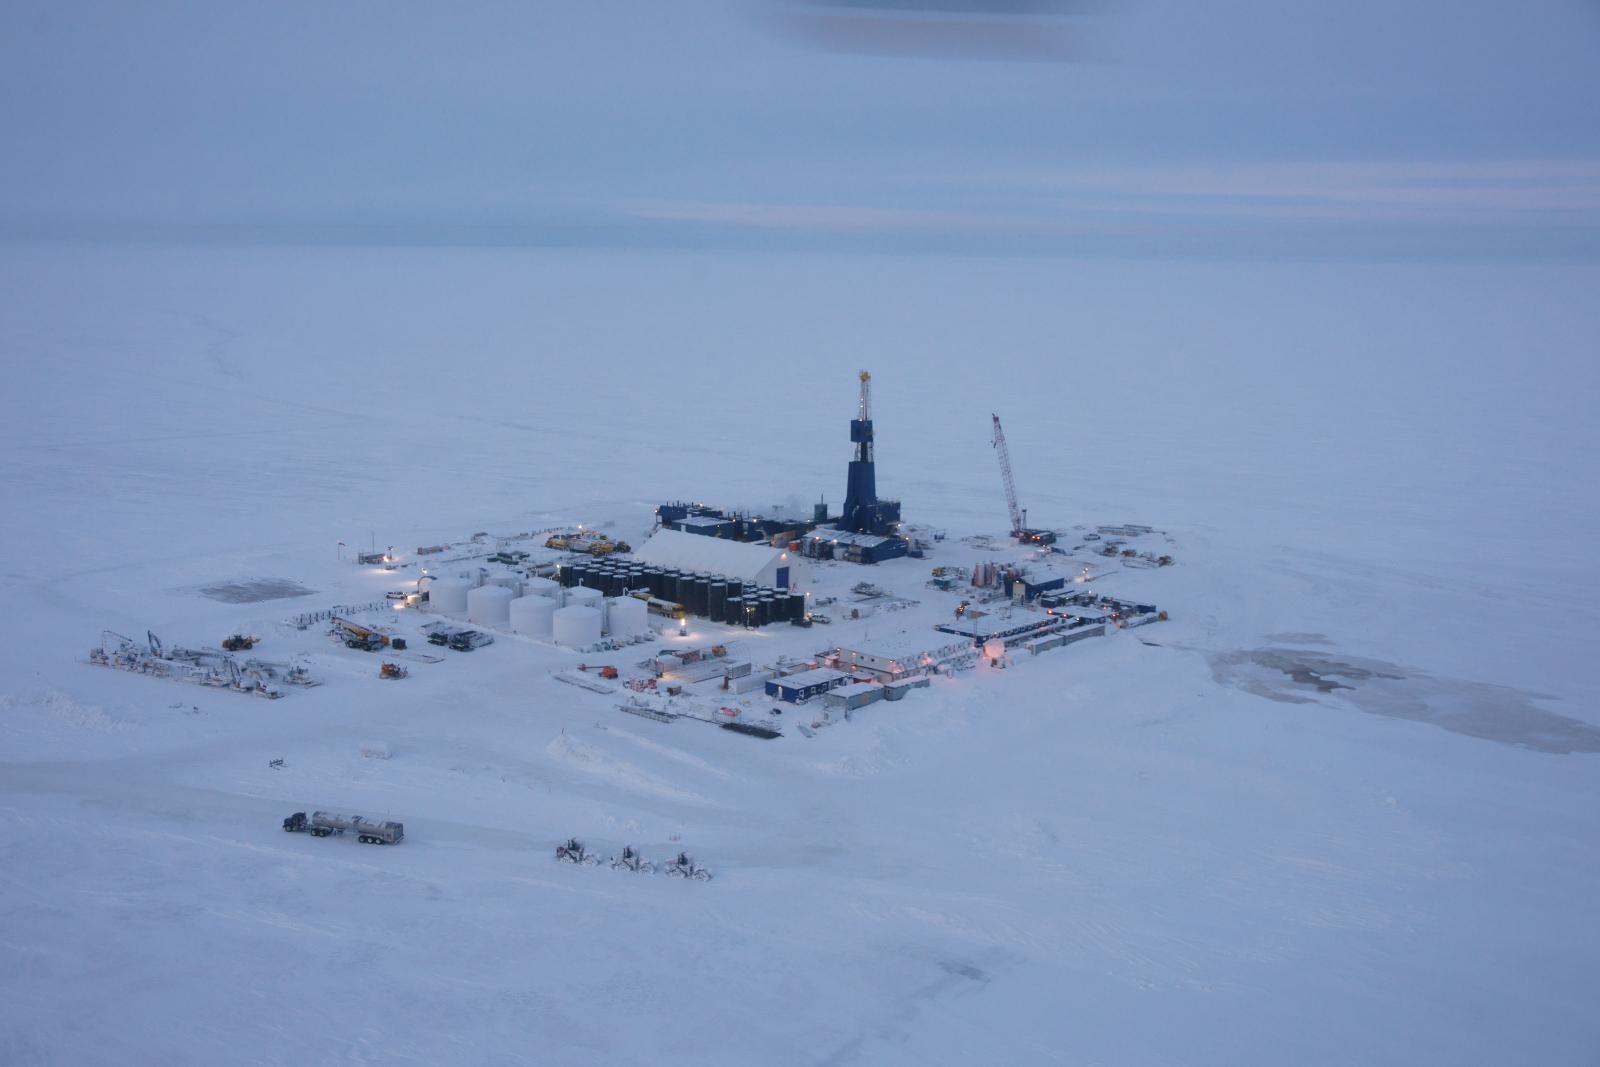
[
  {"x": 861, "y": 511},
  {"x": 864, "y": 417}
]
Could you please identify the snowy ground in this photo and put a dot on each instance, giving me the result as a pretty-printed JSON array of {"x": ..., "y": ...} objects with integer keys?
[{"x": 1175, "y": 845}]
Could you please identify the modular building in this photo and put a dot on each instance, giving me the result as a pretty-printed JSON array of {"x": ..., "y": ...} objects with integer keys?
[
  {"x": 704, "y": 525},
  {"x": 1070, "y": 636},
  {"x": 898, "y": 690},
  {"x": 1010, "y": 631},
  {"x": 1039, "y": 580},
  {"x": 850, "y": 697},
  {"x": 714, "y": 522},
  {"x": 892, "y": 664},
  {"x": 1062, "y": 638},
  {"x": 750, "y": 683},
  {"x": 797, "y": 688},
  {"x": 705, "y": 669},
  {"x": 852, "y": 547},
  {"x": 1084, "y": 616}
]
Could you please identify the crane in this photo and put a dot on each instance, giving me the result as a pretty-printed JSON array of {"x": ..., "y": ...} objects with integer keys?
[{"x": 1019, "y": 516}]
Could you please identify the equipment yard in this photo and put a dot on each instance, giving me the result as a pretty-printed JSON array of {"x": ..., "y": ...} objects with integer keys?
[{"x": 670, "y": 617}]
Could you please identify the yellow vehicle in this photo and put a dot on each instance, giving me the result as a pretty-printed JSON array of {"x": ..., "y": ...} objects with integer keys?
[
  {"x": 357, "y": 636},
  {"x": 665, "y": 608},
  {"x": 591, "y": 543}
]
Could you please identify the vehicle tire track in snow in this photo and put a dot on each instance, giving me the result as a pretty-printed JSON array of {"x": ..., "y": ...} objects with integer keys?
[
  {"x": 591, "y": 760},
  {"x": 671, "y": 752}
]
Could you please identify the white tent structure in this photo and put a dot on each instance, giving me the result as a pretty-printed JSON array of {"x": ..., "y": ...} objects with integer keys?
[{"x": 760, "y": 564}]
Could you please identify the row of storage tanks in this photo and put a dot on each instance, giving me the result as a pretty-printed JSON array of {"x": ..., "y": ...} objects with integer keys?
[
  {"x": 712, "y": 596},
  {"x": 539, "y": 607}
]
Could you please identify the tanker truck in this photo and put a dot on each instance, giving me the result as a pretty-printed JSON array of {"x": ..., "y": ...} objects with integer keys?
[{"x": 324, "y": 823}]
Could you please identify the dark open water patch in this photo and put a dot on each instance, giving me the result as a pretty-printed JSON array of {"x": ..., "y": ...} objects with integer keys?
[
  {"x": 253, "y": 590},
  {"x": 1476, "y": 709}
]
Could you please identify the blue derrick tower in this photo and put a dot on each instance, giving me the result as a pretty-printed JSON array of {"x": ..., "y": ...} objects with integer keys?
[{"x": 863, "y": 511}]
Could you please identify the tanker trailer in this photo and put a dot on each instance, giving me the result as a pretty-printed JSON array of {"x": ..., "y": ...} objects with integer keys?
[{"x": 324, "y": 823}]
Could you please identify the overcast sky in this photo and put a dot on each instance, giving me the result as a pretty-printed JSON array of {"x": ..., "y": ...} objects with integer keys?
[{"x": 1390, "y": 128}]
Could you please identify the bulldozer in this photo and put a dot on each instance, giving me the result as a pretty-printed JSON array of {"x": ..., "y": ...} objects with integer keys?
[
  {"x": 685, "y": 867},
  {"x": 572, "y": 851},
  {"x": 392, "y": 670},
  {"x": 630, "y": 860},
  {"x": 238, "y": 643}
]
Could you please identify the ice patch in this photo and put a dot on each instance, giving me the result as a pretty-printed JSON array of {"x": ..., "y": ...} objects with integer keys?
[{"x": 1476, "y": 709}]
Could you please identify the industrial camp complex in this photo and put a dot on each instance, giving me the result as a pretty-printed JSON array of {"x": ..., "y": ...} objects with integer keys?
[{"x": 771, "y": 625}]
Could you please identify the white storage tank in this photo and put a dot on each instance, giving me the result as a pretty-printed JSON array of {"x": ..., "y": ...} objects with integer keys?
[
  {"x": 540, "y": 587},
  {"x": 583, "y": 596},
  {"x": 627, "y": 616},
  {"x": 576, "y": 626},
  {"x": 509, "y": 581},
  {"x": 490, "y": 605},
  {"x": 448, "y": 596},
  {"x": 533, "y": 615}
]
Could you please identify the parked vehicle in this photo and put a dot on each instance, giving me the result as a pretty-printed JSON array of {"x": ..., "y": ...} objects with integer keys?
[{"x": 355, "y": 635}]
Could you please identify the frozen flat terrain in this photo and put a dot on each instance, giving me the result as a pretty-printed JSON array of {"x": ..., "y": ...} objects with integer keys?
[{"x": 1340, "y": 809}]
